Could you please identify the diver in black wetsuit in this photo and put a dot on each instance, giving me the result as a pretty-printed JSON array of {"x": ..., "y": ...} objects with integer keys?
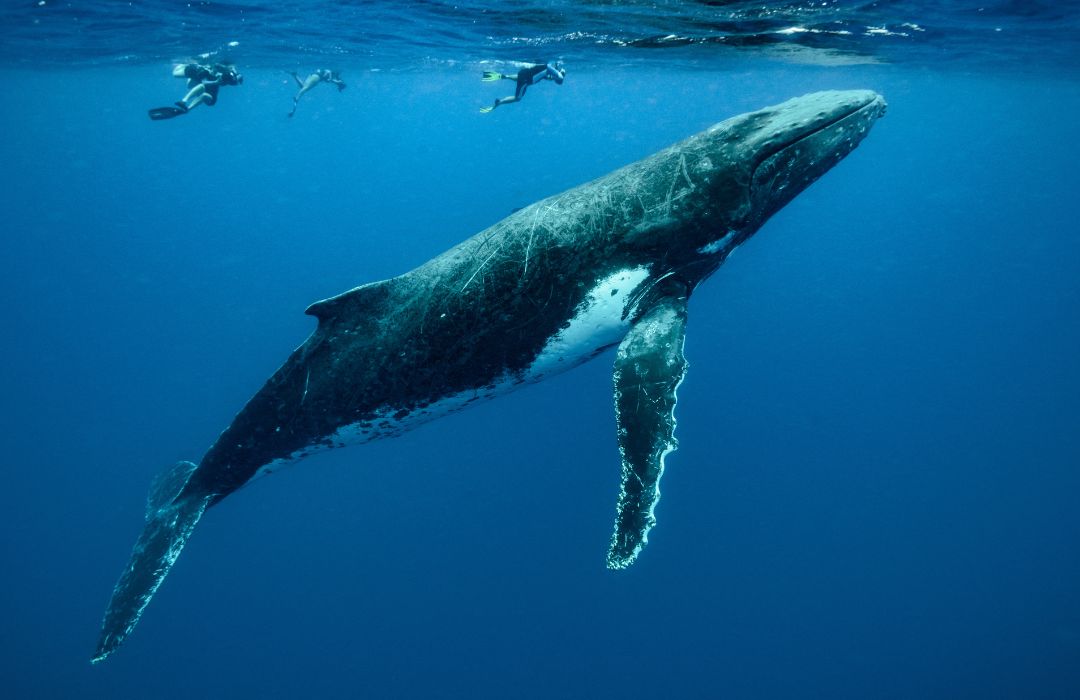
[
  {"x": 530, "y": 75},
  {"x": 203, "y": 85}
]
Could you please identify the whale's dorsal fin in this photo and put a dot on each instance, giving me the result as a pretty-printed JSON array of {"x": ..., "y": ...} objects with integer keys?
[
  {"x": 365, "y": 299},
  {"x": 649, "y": 367}
]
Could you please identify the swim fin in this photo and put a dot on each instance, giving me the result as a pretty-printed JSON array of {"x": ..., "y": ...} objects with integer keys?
[
  {"x": 490, "y": 76},
  {"x": 160, "y": 113},
  {"x": 485, "y": 110}
]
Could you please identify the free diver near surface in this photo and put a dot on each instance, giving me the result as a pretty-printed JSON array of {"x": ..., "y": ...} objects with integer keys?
[{"x": 611, "y": 262}]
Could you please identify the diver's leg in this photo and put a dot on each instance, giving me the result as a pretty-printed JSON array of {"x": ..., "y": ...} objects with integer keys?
[
  {"x": 193, "y": 96},
  {"x": 203, "y": 98},
  {"x": 296, "y": 98},
  {"x": 297, "y": 78},
  {"x": 500, "y": 101},
  {"x": 309, "y": 82}
]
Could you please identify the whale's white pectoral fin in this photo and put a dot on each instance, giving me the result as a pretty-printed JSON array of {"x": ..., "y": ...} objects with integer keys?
[{"x": 649, "y": 367}]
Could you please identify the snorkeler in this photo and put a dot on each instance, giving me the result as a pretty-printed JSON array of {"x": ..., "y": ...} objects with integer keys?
[
  {"x": 319, "y": 76},
  {"x": 530, "y": 75},
  {"x": 203, "y": 85}
]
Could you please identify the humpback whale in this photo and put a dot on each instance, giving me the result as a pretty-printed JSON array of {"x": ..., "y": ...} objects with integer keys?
[{"x": 609, "y": 263}]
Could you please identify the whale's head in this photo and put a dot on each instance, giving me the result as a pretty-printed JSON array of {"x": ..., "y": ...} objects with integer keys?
[
  {"x": 761, "y": 160},
  {"x": 793, "y": 144}
]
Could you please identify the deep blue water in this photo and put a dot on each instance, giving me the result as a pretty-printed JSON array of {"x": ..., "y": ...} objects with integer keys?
[{"x": 876, "y": 489}]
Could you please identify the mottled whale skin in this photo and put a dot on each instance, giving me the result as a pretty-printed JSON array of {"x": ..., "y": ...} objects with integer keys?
[{"x": 611, "y": 262}]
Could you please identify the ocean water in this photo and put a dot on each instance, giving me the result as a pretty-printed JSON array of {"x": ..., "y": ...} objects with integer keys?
[{"x": 876, "y": 489}]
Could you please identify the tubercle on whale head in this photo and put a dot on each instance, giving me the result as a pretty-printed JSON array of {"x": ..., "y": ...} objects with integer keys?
[
  {"x": 807, "y": 137},
  {"x": 741, "y": 171}
]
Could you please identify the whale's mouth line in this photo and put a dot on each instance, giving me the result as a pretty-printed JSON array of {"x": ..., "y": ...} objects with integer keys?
[{"x": 794, "y": 142}]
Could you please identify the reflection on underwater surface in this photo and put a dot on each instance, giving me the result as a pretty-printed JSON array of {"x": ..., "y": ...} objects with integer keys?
[{"x": 997, "y": 34}]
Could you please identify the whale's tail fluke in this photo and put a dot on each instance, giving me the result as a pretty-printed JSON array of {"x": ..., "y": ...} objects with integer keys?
[{"x": 170, "y": 518}]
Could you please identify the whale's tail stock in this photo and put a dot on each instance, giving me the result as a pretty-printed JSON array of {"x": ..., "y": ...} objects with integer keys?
[{"x": 170, "y": 518}]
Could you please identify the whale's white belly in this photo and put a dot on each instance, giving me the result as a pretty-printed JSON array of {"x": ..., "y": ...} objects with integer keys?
[{"x": 599, "y": 321}]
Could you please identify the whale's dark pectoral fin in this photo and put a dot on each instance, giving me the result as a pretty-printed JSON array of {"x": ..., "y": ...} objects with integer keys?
[
  {"x": 169, "y": 522},
  {"x": 649, "y": 367}
]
